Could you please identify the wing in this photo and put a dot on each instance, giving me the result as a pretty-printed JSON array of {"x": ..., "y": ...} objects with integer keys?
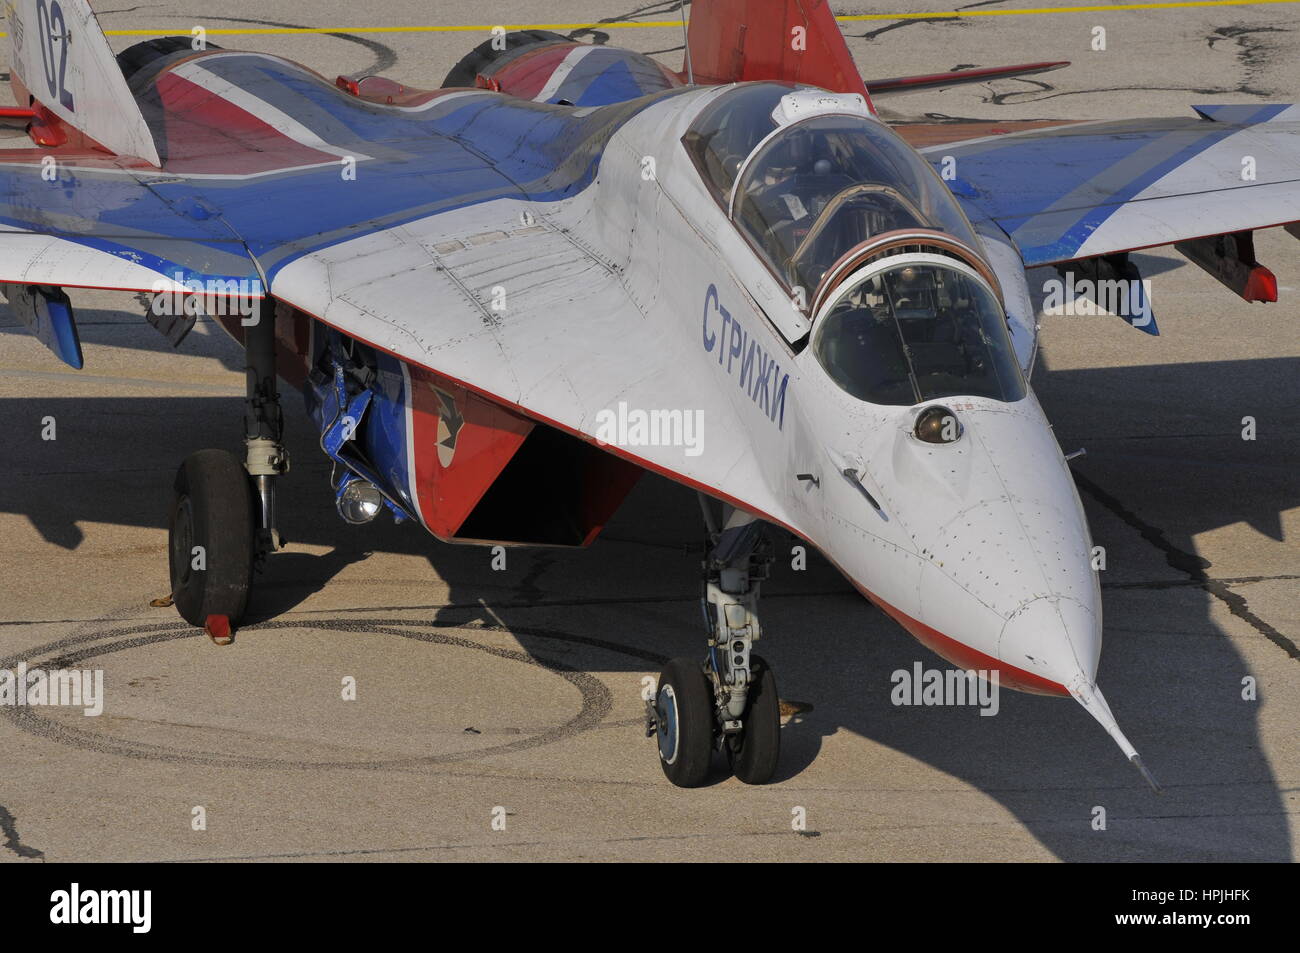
[
  {"x": 535, "y": 314},
  {"x": 463, "y": 234},
  {"x": 1084, "y": 190}
]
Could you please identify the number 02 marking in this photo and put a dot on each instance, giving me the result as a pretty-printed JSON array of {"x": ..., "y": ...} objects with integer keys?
[{"x": 54, "y": 61}]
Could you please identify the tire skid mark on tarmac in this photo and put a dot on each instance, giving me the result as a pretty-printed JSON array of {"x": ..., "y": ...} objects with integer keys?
[
  {"x": 385, "y": 56},
  {"x": 597, "y": 700}
]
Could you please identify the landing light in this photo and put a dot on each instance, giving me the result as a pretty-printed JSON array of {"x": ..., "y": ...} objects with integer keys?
[
  {"x": 938, "y": 424},
  {"x": 360, "y": 502}
]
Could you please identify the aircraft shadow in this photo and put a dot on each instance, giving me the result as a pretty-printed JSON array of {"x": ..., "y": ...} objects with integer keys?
[
  {"x": 1165, "y": 463},
  {"x": 96, "y": 326}
]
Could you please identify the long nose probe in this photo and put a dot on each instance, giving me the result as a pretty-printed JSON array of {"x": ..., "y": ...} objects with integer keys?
[{"x": 1088, "y": 695}]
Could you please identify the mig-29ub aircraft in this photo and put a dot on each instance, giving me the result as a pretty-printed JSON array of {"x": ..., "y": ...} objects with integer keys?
[{"x": 465, "y": 283}]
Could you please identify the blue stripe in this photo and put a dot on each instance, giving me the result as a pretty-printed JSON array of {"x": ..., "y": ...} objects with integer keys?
[
  {"x": 1017, "y": 181},
  {"x": 385, "y": 434},
  {"x": 475, "y": 150},
  {"x": 1243, "y": 115}
]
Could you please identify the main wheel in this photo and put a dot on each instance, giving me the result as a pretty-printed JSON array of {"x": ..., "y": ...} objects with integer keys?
[
  {"x": 466, "y": 72},
  {"x": 755, "y": 751},
  {"x": 684, "y": 723},
  {"x": 211, "y": 538}
]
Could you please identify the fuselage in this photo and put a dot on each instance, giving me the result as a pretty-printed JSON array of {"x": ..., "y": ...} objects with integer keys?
[{"x": 978, "y": 546}]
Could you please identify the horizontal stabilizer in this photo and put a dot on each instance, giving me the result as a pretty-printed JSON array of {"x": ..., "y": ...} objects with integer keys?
[{"x": 956, "y": 77}]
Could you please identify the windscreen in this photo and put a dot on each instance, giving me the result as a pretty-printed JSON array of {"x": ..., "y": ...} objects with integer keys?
[{"x": 916, "y": 331}]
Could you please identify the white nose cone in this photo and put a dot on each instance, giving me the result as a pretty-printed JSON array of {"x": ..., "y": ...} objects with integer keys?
[
  {"x": 1005, "y": 578},
  {"x": 1057, "y": 638}
]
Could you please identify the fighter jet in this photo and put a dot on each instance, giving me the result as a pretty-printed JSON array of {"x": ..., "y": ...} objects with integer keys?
[{"x": 505, "y": 298}]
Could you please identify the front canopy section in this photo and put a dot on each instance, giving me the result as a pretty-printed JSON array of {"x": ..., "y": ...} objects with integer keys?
[
  {"x": 808, "y": 176},
  {"x": 914, "y": 327}
]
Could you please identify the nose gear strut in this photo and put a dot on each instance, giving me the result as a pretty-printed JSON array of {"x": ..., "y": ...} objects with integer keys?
[{"x": 729, "y": 702}]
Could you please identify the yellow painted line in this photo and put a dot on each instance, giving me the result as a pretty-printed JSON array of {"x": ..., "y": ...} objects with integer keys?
[
  {"x": 676, "y": 24},
  {"x": 1079, "y": 8}
]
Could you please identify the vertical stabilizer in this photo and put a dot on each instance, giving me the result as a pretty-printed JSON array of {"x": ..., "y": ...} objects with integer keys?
[
  {"x": 732, "y": 41},
  {"x": 60, "y": 55}
]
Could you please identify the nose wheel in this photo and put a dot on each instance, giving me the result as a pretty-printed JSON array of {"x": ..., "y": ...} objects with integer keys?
[
  {"x": 729, "y": 703},
  {"x": 753, "y": 752},
  {"x": 684, "y": 724}
]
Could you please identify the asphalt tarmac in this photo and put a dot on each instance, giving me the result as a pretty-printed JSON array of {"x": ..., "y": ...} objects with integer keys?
[{"x": 514, "y": 697}]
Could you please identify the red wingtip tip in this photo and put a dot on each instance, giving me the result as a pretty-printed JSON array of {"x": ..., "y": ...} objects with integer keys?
[{"x": 218, "y": 629}]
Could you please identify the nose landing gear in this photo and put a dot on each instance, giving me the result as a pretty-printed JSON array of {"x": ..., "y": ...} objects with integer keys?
[{"x": 729, "y": 702}]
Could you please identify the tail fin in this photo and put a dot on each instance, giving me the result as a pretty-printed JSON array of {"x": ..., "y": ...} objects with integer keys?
[
  {"x": 731, "y": 41},
  {"x": 60, "y": 56}
]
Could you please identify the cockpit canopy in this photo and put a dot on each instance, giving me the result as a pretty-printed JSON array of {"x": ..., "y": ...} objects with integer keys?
[
  {"x": 806, "y": 191},
  {"x": 915, "y": 327}
]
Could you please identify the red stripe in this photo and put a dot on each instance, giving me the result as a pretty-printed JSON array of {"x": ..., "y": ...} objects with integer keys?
[
  {"x": 208, "y": 134},
  {"x": 958, "y": 653},
  {"x": 963, "y": 656},
  {"x": 526, "y": 75}
]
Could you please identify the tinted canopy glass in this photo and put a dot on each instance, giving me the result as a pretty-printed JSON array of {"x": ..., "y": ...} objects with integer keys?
[
  {"x": 917, "y": 330},
  {"x": 820, "y": 187},
  {"x": 813, "y": 189},
  {"x": 729, "y": 129}
]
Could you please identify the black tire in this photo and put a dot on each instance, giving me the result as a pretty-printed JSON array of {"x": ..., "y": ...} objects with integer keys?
[
  {"x": 477, "y": 60},
  {"x": 137, "y": 57},
  {"x": 684, "y": 716},
  {"x": 754, "y": 753},
  {"x": 212, "y": 508}
]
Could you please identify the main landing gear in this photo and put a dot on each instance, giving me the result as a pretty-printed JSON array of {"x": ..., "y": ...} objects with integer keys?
[
  {"x": 729, "y": 701},
  {"x": 222, "y": 522}
]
